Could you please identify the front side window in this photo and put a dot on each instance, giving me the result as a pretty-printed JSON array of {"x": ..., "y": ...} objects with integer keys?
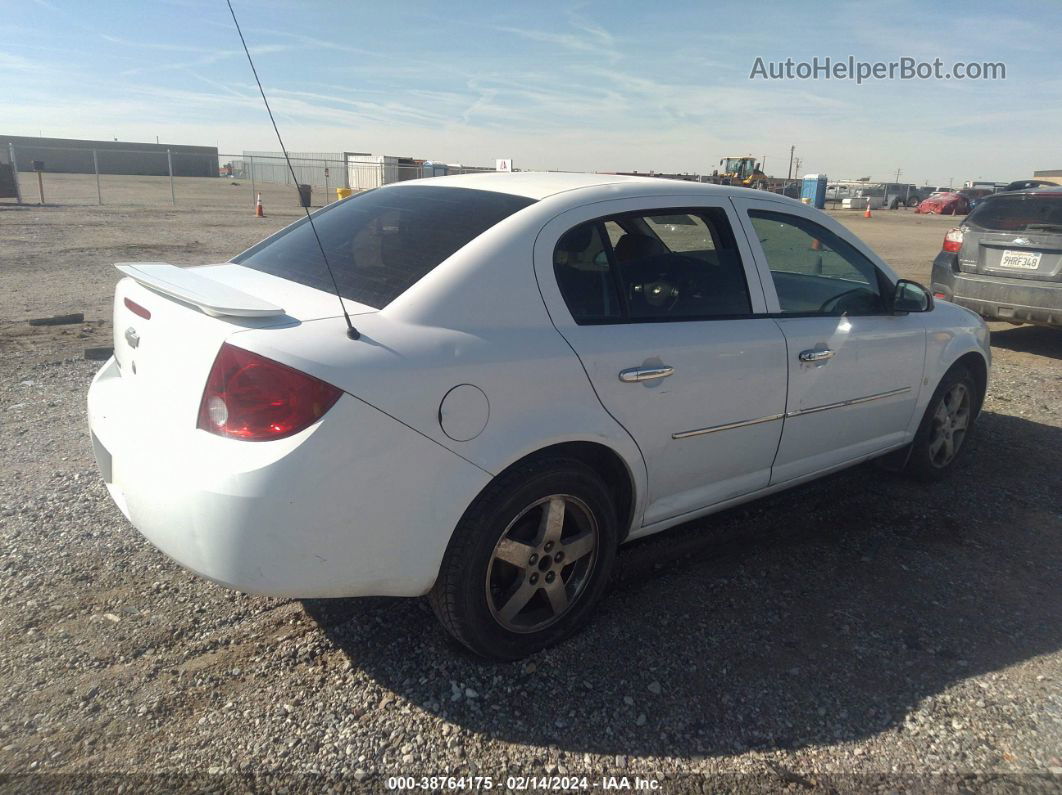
[
  {"x": 379, "y": 243},
  {"x": 815, "y": 271},
  {"x": 669, "y": 265}
]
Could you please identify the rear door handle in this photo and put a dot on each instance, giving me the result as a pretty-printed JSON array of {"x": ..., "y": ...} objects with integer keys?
[
  {"x": 816, "y": 355},
  {"x": 633, "y": 375}
]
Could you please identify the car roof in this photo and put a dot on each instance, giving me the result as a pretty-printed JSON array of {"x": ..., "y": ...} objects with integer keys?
[
  {"x": 1040, "y": 190},
  {"x": 542, "y": 184}
]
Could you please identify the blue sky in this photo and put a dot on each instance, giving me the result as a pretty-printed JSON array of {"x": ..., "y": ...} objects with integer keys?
[{"x": 574, "y": 85}]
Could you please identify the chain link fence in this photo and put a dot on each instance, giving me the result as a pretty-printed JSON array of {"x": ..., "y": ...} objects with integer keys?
[{"x": 136, "y": 177}]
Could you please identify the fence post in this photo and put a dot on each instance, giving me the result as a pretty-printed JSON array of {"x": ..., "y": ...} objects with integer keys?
[
  {"x": 169, "y": 162},
  {"x": 14, "y": 172},
  {"x": 96, "y": 168},
  {"x": 326, "y": 181},
  {"x": 254, "y": 199}
]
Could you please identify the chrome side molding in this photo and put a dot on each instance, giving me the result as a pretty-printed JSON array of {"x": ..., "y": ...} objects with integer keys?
[
  {"x": 727, "y": 427},
  {"x": 771, "y": 418},
  {"x": 852, "y": 402}
]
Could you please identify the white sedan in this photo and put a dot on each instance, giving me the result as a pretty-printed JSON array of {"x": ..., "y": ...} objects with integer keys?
[{"x": 544, "y": 367}]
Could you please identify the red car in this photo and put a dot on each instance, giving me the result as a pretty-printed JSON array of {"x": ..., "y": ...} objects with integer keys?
[{"x": 945, "y": 204}]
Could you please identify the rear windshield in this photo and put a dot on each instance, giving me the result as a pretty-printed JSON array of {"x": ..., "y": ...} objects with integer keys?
[
  {"x": 382, "y": 241},
  {"x": 1019, "y": 213}
]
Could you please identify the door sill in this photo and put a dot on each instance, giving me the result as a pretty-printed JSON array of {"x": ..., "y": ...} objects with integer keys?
[{"x": 664, "y": 524}]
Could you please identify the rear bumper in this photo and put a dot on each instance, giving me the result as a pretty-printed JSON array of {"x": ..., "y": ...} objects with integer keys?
[
  {"x": 358, "y": 504},
  {"x": 1000, "y": 298}
]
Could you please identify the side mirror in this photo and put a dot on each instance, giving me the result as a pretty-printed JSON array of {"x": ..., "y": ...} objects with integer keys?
[{"x": 911, "y": 297}]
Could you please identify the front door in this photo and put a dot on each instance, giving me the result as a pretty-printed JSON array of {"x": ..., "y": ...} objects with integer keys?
[
  {"x": 855, "y": 368},
  {"x": 657, "y": 300}
]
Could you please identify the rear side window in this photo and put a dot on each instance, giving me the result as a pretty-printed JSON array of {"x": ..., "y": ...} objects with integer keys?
[
  {"x": 1019, "y": 213},
  {"x": 381, "y": 242},
  {"x": 581, "y": 263},
  {"x": 671, "y": 265}
]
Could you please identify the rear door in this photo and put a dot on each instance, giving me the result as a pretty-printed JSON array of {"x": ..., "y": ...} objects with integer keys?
[
  {"x": 1017, "y": 236},
  {"x": 855, "y": 369},
  {"x": 659, "y": 301}
]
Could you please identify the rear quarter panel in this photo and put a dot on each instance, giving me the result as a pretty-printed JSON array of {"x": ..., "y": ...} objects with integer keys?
[{"x": 478, "y": 319}]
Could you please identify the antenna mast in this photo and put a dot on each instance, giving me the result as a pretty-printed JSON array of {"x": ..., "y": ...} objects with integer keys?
[{"x": 351, "y": 331}]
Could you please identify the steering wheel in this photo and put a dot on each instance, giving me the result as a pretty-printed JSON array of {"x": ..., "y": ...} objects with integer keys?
[
  {"x": 830, "y": 304},
  {"x": 659, "y": 294}
]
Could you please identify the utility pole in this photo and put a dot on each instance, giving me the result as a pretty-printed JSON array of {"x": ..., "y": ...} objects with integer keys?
[
  {"x": 796, "y": 166},
  {"x": 169, "y": 163},
  {"x": 789, "y": 174},
  {"x": 898, "y": 172}
]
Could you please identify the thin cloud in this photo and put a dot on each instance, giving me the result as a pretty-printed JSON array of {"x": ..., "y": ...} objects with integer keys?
[
  {"x": 16, "y": 63},
  {"x": 151, "y": 45},
  {"x": 206, "y": 60},
  {"x": 573, "y": 42}
]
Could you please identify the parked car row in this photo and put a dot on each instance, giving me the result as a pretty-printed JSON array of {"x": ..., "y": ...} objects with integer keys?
[
  {"x": 945, "y": 201},
  {"x": 879, "y": 194}
]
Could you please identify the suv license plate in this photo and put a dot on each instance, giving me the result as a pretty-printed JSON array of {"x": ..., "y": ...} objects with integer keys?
[{"x": 1025, "y": 260}]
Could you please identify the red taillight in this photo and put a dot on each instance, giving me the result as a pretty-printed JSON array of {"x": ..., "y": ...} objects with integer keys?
[
  {"x": 250, "y": 397},
  {"x": 953, "y": 240},
  {"x": 137, "y": 309}
]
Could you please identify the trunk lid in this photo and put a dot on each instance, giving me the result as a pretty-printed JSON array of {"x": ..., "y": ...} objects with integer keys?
[
  {"x": 165, "y": 357},
  {"x": 1028, "y": 255}
]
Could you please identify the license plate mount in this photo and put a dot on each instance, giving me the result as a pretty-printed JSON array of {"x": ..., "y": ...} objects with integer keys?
[{"x": 1020, "y": 260}]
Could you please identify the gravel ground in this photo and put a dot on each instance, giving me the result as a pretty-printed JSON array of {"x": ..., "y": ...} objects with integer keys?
[{"x": 861, "y": 633}]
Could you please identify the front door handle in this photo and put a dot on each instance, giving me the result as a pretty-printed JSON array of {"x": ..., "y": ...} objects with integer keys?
[
  {"x": 633, "y": 375},
  {"x": 816, "y": 355}
]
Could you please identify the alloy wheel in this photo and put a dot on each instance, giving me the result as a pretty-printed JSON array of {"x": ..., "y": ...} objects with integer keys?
[
  {"x": 950, "y": 422},
  {"x": 542, "y": 563}
]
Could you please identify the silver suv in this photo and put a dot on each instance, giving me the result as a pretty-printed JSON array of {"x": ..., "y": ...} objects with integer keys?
[{"x": 1005, "y": 261}]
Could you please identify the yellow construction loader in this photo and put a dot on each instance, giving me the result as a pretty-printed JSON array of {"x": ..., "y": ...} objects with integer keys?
[{"x": 743, "y": 171}]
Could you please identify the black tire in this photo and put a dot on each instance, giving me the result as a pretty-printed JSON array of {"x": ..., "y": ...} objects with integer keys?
[
  {"x": 467, "y": 595},
  {"x": 913, "y": 201},
  {"x": 929, "y": 460}
]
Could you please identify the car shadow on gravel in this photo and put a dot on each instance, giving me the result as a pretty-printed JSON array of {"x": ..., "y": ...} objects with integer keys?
[
  {"x": 1036, "y": 340},
  {"x": 821, "y": 615}
]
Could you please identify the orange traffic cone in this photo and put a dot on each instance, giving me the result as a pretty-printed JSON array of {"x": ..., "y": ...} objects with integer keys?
[
  {"x": 867, "y": 213},
  {"x": 260, "y": 213}
]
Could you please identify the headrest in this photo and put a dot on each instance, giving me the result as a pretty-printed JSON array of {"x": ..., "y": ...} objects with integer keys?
[
  {"x": 635, "y": 246},
  {"x": 577, "y": 239}
]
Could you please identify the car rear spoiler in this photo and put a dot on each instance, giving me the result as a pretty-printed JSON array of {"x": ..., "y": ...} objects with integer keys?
[{"x": 190, "y": 286}]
